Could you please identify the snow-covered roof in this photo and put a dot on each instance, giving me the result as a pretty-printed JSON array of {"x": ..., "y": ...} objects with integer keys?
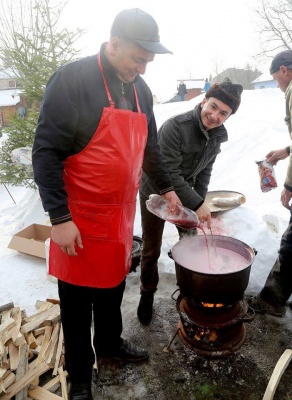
[
  {"x": 7, "y": 74},
  {"x": 266, "y": 77},
  {"x": 9, "y": 97}
]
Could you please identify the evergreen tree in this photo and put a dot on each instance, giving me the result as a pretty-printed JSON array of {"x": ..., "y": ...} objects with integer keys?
[{"x": 33, "y": 46}]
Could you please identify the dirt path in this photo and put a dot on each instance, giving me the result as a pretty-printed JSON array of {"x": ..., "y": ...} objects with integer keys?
[{"x": 183, "y": 375}]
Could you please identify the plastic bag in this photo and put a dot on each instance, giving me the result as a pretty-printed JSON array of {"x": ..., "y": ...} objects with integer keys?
[{"x": 267, "y": 176}]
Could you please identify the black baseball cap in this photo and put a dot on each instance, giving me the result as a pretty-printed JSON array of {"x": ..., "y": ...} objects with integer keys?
[
  {"x": 137, "y": 25},
  {"x": 284, "y": 58}
]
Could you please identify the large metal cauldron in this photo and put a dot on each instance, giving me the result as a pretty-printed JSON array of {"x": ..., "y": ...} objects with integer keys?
[{"x": 226, "y": 288}]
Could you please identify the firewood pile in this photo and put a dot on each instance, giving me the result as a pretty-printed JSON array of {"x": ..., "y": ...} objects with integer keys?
[{"x": 30, "y": 346}]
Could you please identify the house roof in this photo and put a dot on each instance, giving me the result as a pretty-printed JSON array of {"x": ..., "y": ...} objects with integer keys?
[
  {"x": 193, "y": 83},
  {"x": 266, "y": 77},
  {"x": 7, "y": 74},
  {"x": 9, "y": 97}
]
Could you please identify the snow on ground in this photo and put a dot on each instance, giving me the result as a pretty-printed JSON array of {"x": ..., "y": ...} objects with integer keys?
[{"x": 254, "y": 130}]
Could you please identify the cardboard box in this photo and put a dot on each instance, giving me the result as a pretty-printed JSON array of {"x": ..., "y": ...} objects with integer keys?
[{"x": 31, "y": 240}]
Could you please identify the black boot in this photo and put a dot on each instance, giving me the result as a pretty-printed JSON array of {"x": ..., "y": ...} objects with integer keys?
[
  {"x": 80, "y": 391},
  {"x": 145, "y": 308}
]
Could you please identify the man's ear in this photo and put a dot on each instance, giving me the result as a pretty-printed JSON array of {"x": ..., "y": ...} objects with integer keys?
[
  {"x": 113, "y": 45},
  {"x": 204, "y": 102}
]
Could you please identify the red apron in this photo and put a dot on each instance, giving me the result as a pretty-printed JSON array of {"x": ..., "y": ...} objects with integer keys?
[{"x": 102, "y": 182}]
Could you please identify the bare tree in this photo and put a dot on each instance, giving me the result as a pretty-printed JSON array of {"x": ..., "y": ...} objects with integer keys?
[
  {"x": 32, "y": 44},
  {"x": 274, "y": 26}
]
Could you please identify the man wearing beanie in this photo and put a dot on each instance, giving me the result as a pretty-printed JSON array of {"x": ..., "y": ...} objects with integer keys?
[
  {"x": 190, "y": 143},
  {"x": 278, "y": 286},
  {"x": 96, "y": 131}
]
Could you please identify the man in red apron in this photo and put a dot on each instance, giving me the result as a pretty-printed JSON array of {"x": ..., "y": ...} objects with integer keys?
[{"x": 96, "y": 132}]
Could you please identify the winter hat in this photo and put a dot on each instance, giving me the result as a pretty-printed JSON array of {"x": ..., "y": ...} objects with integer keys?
[
  {"x": 228, "y": 92},
  {"x": 137, "y": 25},
  {"x": 283, "y": 58}
]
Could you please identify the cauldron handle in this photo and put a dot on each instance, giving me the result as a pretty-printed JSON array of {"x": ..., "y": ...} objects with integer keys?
[
  {"x": 174, "y": 294},
  {"x": 251, "y": 318}
]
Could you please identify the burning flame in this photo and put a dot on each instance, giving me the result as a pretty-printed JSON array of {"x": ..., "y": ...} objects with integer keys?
[{"x": 214, "y": 305}]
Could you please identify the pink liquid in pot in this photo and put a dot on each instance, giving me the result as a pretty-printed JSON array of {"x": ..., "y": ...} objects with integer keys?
[{"x": 206, "y": 260}]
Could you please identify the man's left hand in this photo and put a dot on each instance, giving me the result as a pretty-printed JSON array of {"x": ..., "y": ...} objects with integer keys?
[{"x": 286, "y": 196}]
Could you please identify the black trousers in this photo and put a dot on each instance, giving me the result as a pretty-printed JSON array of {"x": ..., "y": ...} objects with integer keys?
[
  {"x": 152, "y": 233},
  {"x": 278, "y": 286},
  {"x": 79, "y": 305}
]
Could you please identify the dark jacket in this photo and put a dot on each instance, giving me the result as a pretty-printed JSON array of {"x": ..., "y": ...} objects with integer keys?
[
  {"x": 182, "y": 89},
  {"x": 189, "y": 152},
  {"x": 70, "y": 113}
]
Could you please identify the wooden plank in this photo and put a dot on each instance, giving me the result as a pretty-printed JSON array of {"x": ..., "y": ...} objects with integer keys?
[
  {"x": 40, "y": 358},
  {"x": 59, "y": 352},
  {"x": 7, "y": 306},
  {"x": 3, "y": 372},
  {"x": 13, "y": 355},
  {"x": 279, "y": 369},
  {"x": 21, "y": 371},
  {"x": 54, "y": 301},
  {"x": 40, "y": 393},
  {"x": 50, "y": 353},
  {"x": 19, "y": 339},
  {"x": 54, "y": 382},
  {"x": 5, "y": 326},
  {"x": 23, "y": 382},
  {"x": 63, "y": 383},
  {"x": 30, "y": 339},
  {"x": 42, "y": 306},
  {"x": 36, "y": 322},
  {"x": 7, "y": 381},
  {"x": 39, "y": 331}
]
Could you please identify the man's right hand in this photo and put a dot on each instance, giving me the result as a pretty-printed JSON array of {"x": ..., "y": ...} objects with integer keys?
[
  {"x": 67, "y": 235},
  {"x": 276, "y": 155}
]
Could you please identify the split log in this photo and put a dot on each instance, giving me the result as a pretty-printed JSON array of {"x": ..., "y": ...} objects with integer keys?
[
  {"x": 63, "y": 383},
  {"x": 31, "y": 345},
  {"x": 40, "y": 393},
  {"x": 40, "y": 319},
  {"x": 23, "y": 382},
  {"x": 21, "y": 371},
  {"x": 54, "y": 382},
  {"x": 7, "y": 306}
]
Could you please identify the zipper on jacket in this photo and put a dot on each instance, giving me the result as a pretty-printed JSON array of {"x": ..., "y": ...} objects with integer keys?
[{"x": 123, "y": 95}]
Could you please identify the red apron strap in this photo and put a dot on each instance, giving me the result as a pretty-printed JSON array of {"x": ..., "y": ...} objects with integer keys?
[{"x": 112, "y": 103}]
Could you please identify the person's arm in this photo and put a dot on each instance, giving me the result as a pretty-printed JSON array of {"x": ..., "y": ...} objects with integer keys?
[
  {"x": 171, "y": 144},
  {"x": 276, "y": 155},
  {"x": 54, "y": 138}
]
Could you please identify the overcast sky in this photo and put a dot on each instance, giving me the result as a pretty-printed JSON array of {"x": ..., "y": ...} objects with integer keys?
[{"x": 205, "y": 36}]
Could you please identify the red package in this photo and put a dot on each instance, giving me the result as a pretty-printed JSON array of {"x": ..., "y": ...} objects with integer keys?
[{"x": 267, "y": 176}]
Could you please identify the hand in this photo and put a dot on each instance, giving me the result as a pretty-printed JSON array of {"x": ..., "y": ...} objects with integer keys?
[
  {"x": 172, "y": 198},
  {"x": 275, "y": 155},
  {"x": 204, "y": 215},
  {"x": 66, "y": 235},
  {"x": 286, "y": 196}
]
